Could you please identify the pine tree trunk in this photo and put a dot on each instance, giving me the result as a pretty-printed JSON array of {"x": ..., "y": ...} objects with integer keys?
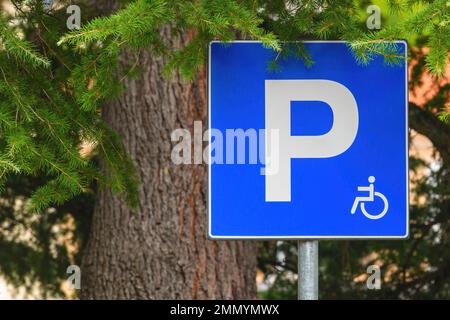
[{"x": 160, "y": 250}]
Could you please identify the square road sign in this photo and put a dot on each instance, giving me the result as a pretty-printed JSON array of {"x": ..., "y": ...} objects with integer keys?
[{"x": 306, "y": 152}]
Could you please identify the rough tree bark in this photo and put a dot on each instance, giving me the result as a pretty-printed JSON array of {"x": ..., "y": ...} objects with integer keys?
[{"x": 160, "y": 250}]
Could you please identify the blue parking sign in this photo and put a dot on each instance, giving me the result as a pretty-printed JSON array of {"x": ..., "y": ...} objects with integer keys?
[{"x": 306, "y": 152}]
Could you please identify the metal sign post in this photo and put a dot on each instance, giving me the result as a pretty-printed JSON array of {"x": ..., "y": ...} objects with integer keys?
[{"x": 308, "y": 270}]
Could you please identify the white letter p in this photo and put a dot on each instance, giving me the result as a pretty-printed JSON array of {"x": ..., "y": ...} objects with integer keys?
[{"x": 279, "y": 94}]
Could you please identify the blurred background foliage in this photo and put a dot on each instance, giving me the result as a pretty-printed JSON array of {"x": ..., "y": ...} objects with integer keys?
[{"x": 36, "y": 249}]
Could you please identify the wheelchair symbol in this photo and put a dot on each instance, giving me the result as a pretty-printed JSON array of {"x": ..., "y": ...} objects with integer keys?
[{"x": 370, "y": 198}]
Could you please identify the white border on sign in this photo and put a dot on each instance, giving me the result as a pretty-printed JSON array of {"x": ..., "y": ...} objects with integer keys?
[{"x": 303, "y": 237}]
